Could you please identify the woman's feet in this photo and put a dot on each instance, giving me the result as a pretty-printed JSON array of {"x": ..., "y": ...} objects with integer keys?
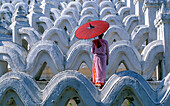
[{"x": 99, "y": 86}]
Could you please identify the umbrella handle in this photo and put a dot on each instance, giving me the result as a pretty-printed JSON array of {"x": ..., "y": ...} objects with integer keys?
[{"x": 90, "y": 26}]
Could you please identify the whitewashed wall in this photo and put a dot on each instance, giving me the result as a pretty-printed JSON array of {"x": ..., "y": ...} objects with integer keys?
[{"x": 35, "y": 33}]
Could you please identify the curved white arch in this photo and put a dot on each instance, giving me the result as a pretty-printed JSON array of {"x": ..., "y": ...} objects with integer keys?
[
  {"x": 23, "y": 84},
  {"x": 63, "y": 4},
  {"x": 93, "y": 4},
  {"x": 47, "y": 35},
  {"x": 21, "y": 51},
  {"x": 107, "y": 11},
  {"x": 31, "y": 33},
  {"x": 23, "y": 5},
  {"x": 123, "y": 51},
  {"x": 56, "y": 34},
  {"x": 112, "y": 20},
  {"x": 151, "y": 55},
  {"x": 130, "y": 22},
  {"x": 117, "y": 33},
  {"x": 99, "y": 1},
  {"x": 8, "y": 5},
  {"x": 48, "y": 22},
  {"x": 14, "y": 2},
  {"x": 81, "y": 85},
  {"x": 131, "y": 80},
  {"x": 119, "y": 5},
  {"x": 123, "y": 12},
  {"x": 52, "y": 54},
  {"x": 139, "y": 35},
  {"x": 56, "y": 13},
  {"x": 66, "y": 21},
  {"x": 89, "y": 11},
  {"x": 104, "y": 4},
  {"x": 78, "y": 53},
  {"x": 75, "y": 4},
  {"x": 6, "y": 16},
  {"x": 14, "y": 55},
  {"x": 72, "y": 12},
  {"x": 87, "y": 18}
]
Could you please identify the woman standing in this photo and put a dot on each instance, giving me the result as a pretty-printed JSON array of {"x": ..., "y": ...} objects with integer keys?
[{"x": 100, "y": 52}]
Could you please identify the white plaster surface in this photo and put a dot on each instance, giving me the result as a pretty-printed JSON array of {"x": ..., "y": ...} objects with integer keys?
[{"x": 40, "y": 32}]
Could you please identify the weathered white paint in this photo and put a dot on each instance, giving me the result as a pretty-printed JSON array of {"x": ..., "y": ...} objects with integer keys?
[{"x": 138, "y": 39}]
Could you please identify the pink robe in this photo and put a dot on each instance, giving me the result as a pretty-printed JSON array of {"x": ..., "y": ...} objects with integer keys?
[{"x": 101, "y": 55}]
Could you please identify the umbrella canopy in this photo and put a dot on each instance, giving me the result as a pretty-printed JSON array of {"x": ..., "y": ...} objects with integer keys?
[{"x": 91, "y": 29}]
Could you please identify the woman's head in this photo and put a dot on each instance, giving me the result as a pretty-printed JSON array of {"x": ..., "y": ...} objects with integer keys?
[{"x": 100, "y": 36}]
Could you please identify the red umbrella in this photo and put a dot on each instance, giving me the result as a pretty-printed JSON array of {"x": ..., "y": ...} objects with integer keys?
[{"x": 91, "y": 29}]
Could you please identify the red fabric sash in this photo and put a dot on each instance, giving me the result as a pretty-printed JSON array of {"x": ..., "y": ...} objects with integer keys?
[
  {"x": 93, "y": 75},
  {"x": 93, "y": 72}
]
